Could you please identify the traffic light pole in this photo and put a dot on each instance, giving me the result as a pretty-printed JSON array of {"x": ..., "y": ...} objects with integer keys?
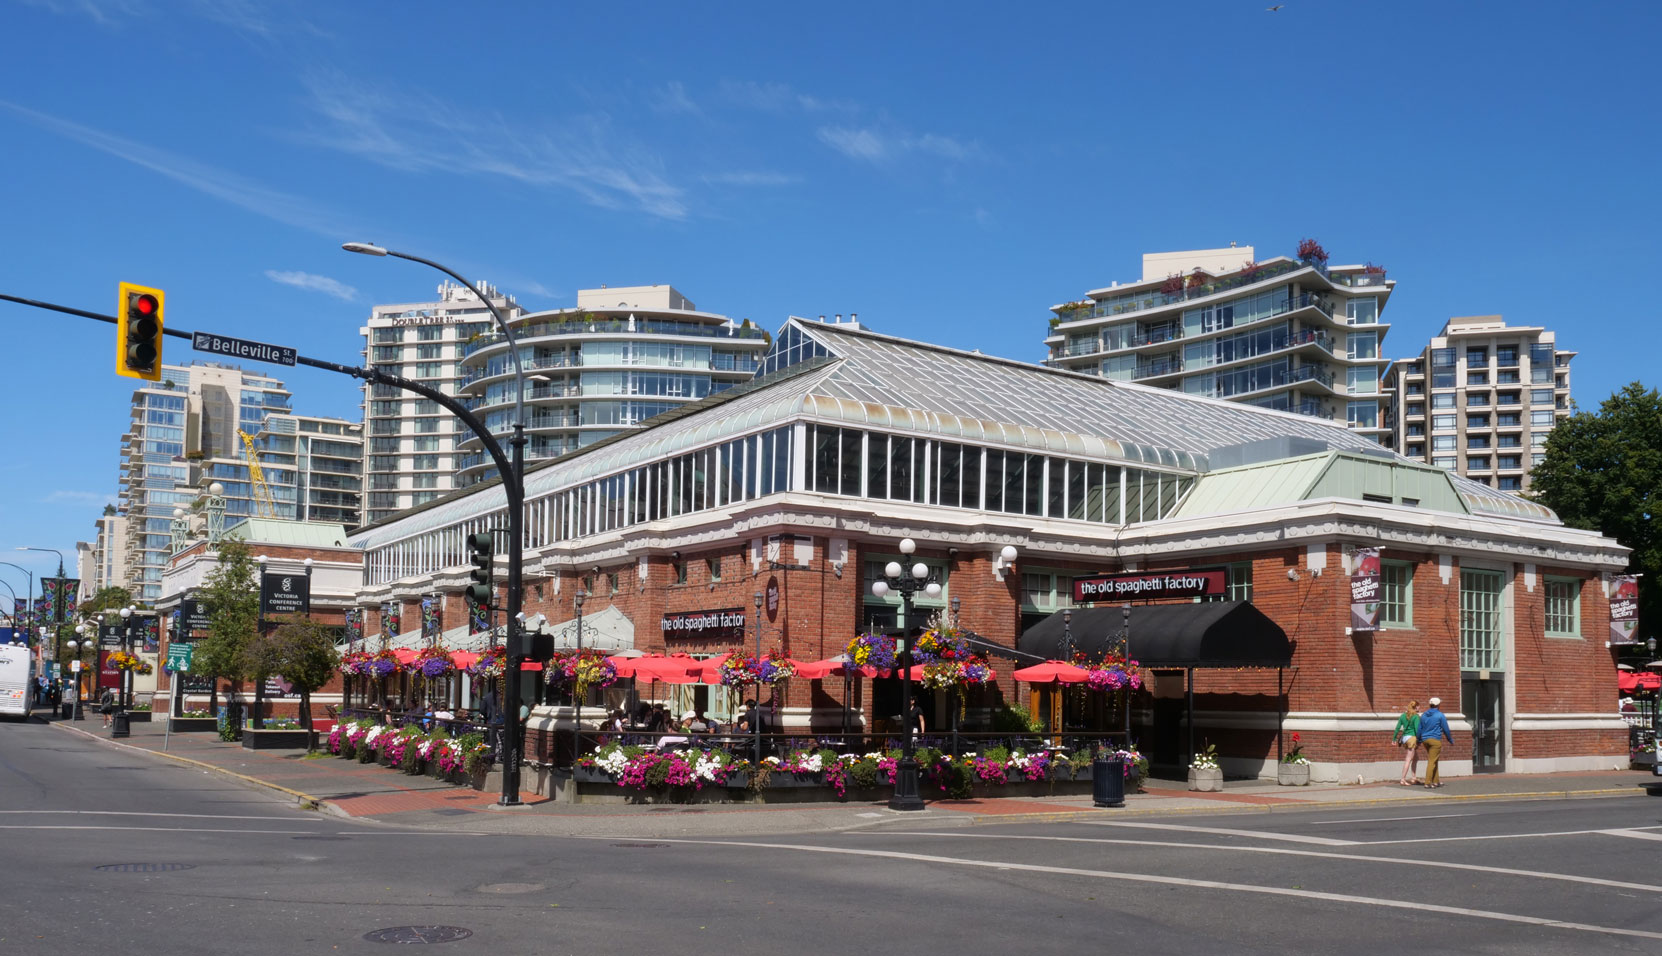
[{"x": 509, "y": 473}]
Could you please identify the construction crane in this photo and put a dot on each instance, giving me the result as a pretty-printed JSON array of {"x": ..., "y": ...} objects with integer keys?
[{"x": 264, "y": 505}]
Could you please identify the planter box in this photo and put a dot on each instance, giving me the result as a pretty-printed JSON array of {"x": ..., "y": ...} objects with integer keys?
[
  {"x": 276, "y": 739},
  {"x": 591, "y": 775},
  {"x": 1206, "y": 781},
  {"x": 138, "y": 716},
  {"x": 784, "y": 780},
  {"x": 193, "y": 725},
  {"x": 1293, "y": 774}
]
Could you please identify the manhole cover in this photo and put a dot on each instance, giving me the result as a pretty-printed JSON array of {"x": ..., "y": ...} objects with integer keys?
[
  {"x": 143, "y": 867},
  {"x": 418, "y": 934},
  {"x": 511, "y": 887},
  {"x": 641, "y": 846}
]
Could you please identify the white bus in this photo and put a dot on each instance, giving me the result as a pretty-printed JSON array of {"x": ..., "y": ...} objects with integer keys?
[{"x": 17, "y": 680}]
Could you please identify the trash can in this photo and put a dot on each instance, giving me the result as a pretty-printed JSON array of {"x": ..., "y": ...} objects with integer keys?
[
  {"x": 68, "y": 709},
  {"x": 119, "y": 726},
  {"x": 1108, "y": 781}
]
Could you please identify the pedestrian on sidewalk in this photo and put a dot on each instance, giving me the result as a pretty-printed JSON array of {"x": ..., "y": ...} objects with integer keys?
[
  {"x": 1433, "y": 733},
  {"x": 1407, "y": 736},
  {"x": 106, "y": 705}
]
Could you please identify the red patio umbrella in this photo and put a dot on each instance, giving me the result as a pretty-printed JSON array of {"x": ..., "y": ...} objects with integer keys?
[
  {"x": 817, "y": 670},
  {"x": 1627, "y": 682},
  {"x": 709, "y": 669},
  {"x": 1051, "y": 672},
  {"x": 464, "y": 659},
  {"x": 677, "y": 669},
  {"x": 404, "y": 655}
]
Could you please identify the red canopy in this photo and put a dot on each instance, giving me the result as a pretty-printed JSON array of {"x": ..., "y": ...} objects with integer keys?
[
  {"x": 464, "y": 659},
  {"x": 676, "y": 669},
  {"x": 404, "y": 655},
  {"x": 1051, "y": 672},
  {"x": 1628, "y": 682},
  {"x": 709, "y": 669},
  {"x": 816, "y": 670}
]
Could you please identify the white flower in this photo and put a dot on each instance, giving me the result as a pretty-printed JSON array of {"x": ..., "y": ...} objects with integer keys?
[
  {"x": 812, "y": 763},
  {"x": 613, "y": 762},
  {"x": 771, "y": 760}
]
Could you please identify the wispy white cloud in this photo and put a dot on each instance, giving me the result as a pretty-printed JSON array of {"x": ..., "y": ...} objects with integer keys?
[
  {"x": 253, "y": 19},
  {"x": 536, "y": 288},
  {"x": 673, "y": 98},
  {"x": 215, "y": 182},
  {"x": 874, "y": 146},
  {"x": 79, "y": 498},
  {"x": 777, "y": 97},
  {"x": 105, "y": 13},
  {"x": 313, "y": 283},
  {"x": 414, "y": 133},
  {"x": 752, "y": 178}
]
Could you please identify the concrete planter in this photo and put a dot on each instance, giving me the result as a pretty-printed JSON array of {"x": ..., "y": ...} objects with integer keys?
[
  {"x": 1206, "y": 781},
  {"x": 1293, "y": 774},
  {"x": 276, "y": 739},
  {"x": 192, "y": 725}
]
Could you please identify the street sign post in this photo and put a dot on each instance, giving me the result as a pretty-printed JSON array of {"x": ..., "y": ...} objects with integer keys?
[
  {"x": 178, "y": 661},
  {"x": 241, "y": 348}
]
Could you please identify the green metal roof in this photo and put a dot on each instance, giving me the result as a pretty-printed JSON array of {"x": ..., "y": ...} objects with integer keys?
[
  {"x": 1332, "y": 474},
  {"x": 303, "y": 534}
]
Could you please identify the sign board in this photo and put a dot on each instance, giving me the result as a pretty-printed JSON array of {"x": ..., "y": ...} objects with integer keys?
[
  {"x": 1149, "y": 585},
  {"x": 193, "y": 618},
  {"x": 726, "y": 624},
  {"x": 241, "y": 348},
  {"x": 178, "y": 657},
  {"x": 109, "y": 635},
  {"x": 284, "y": 592},
  {"x": 276, "y": 686},
  {"x": 107, "y": 675},
  {"x": 75, "y": 667},
  {"x": 1365, "y": 591}
]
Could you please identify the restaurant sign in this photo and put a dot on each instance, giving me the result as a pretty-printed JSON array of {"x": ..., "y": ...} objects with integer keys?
[
  {"x": 1147, "y": 585},
  {"x": 1365, "y": 584},
  {"x": 1624, "y": 609},
  {"x": 726, "y": 624}
]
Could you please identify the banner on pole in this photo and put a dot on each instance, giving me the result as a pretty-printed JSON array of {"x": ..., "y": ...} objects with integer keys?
[
  {"x": 1365, "y": 592},
  {"x": 1624, "y": 609}
]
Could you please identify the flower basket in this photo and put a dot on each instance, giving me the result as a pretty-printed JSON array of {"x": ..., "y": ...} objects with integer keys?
[
  {"x": 871, "y": 650},
  {"x": 739, "y": 669},
  {"x": 432, "y": 662},
  {"x": 580, "y": 670}
]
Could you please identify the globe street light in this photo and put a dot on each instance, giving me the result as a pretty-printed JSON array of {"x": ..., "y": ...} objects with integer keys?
[
  {"x": 513, "y": 487},
  {"x": 906, "y": 794}
]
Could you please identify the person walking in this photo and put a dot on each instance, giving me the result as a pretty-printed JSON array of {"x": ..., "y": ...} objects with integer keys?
[
  {"x": 1433, "y": 733},
  {"x": 1407, "y": 736},
  {"x": 106, "y": 705}
]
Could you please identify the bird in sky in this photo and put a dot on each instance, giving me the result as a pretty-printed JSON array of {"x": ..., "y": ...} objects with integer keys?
[{"x": 1274, "y": 8}]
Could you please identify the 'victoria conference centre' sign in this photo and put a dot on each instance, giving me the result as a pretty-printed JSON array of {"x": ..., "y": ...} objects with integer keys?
[{"x": 1147, "y": 585}]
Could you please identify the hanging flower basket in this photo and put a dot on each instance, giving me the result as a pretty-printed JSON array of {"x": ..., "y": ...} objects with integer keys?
[
  {"x": 123, "y": 661},
  {"x": 581, "y": 670},
  {"x": 872, "y": 650},
  {"x": 739, "y": 669},
  {"x": 956, "y": 674},
  {"x": 492, "y": 662},
  {"x": 941, "y": 644},
  {"x": 432, "y": 662},
  {"x": 382, "y": 663}
]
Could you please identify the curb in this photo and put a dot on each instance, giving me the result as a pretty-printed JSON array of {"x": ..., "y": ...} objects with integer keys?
[{"x": 304, "y": 801}]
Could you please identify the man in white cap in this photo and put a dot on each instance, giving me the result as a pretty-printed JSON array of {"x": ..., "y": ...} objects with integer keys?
[{"x": 1433, "y": 733}]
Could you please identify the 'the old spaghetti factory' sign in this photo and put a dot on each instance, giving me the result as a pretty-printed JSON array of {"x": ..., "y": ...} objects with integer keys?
[{"x": 1147, "y": 585}]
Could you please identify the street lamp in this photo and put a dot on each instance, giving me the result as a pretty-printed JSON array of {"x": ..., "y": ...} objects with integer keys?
[
  {"x": 76, "y": 647},
  {"x": 906, "y": 794},
  {"x": 513, "y": 487},
  {"x": 1655, "y": 712},
  {"x": 756, "y": 711}
]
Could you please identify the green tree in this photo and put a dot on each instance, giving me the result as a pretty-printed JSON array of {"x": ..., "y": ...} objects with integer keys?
[
  {"x": 1603, "y": 471},
  {"x": 302, "y": 651},
  {"x": 232, "y": 598}
]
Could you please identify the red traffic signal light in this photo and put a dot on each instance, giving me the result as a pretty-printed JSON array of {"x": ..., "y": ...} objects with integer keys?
[{"x": 139, "y": 332}]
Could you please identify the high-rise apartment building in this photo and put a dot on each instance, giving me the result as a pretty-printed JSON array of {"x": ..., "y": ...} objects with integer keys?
[
  {"x": 314, "y": 467},
  {"x": 1480, "y": 400},
  {"x": 623, "y": 355},
  {"x": 101, "y": 562},
  {"x": 410, "y": 454},
  {"x": 1289, "y": 333}
]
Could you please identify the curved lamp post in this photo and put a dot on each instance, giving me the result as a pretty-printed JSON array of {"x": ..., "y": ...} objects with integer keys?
[
  {"x": 908, "y": 581},
  {"x": 513, "y": 486}
]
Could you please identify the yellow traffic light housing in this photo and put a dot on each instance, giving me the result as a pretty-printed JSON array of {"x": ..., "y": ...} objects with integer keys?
[{"x": 138, "y": 332}]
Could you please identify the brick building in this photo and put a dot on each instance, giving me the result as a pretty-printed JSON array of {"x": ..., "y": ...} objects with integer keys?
[{"x": 777, "y": 504}]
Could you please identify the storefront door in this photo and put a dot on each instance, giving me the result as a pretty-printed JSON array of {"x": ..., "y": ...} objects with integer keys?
[{"x": 1481, "y": 701}]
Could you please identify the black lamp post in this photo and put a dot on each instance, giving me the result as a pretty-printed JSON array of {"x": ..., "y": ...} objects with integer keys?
[
  {"x": 1655, "y": 712},
  {"x": 119, "y": 725},
  {"x": 908, "y": 582},
  {"x": 756, "y": 711},
  {"x": 577, "y": 695},
  {"x": 77, "y": 647}
]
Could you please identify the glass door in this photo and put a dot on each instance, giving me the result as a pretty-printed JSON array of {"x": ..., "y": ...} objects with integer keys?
[{"x": 1481, "y": 702}]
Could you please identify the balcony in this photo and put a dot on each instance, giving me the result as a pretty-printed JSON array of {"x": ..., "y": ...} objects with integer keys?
[
  {"x": 1163, "y": 367},
  {"x": 616, "y": 326},
  {"x": 1358, "y": 280}
]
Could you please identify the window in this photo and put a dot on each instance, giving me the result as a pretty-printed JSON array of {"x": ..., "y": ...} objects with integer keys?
[
  {"x": 1416, "y": 451},
  {"x": 1444, "y": 462},
  {"x": 1442, "y": 399},
  {"x": 429, "y": 351},
  {"x": 1477, "y": 421},
  {"x": 1477, "y": 400},
  {"x": 1396, "y": 580},
  {"x": 1506, "y": 398},
  {"x": 1509, "y": 419},
  {"x": 1363, "y": 310},
  {"x": 1563, "y": 607},
  {"x": 611, "y": 582},
  {"x": 1477, "y": 463},
  {"x": 1538, "y": 439},
  {"x": 680, "y": 572},
  {"x": 1416, "y": 408},
  {"x": 1477, "y": 355},
  {"x": 1477, "y": 378},
  {"x": 1363, "y": 345},
  {"x": 1511, "y": 461},
  {"x": 1363, "y": 414},
  {"x": 1362, "y": 380},
  {"x": 1506, "y": 356},
  {"x": 1477, "y": 441},
  {"x": 1480, "y": 617},
  {"x": 1507, "y": 377},
  {"x": 1509, "y": 483},
  {"x": 429, "y": 333},
  {"x": 1444, "y": 443},
  {"x": 1540, "y": 396},
  {"x": 1444, "y": 422},
  {"x": 1542, "y": 417},
  {"x": 713, "y": 566},
  {"x": 1442, "y": 368},
  {"x": 425, "y": 481}
]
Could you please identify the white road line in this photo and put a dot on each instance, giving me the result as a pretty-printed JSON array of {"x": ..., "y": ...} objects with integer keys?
[
  {"x": 19, "y": 826},
  {"x": 140, "y": 813},
  {"x": 1490, "y": 836},
  {"x": 1631, "y": 834},
  {"x": 1220, "y": 831},
  {"x": 1287, "y": 851},
  {"x": 1183, "y": 881},
  {"x": 1423, "y": 816}
]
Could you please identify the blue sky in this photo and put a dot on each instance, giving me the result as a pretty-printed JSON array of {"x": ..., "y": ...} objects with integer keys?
[{"x": 945, "y": 170}]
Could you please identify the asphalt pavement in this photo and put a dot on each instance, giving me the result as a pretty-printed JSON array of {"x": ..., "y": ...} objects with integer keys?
[{"x": 213, "y": 849}]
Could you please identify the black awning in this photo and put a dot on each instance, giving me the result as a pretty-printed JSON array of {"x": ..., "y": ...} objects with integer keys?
[{"x": 1211, "y": 634}]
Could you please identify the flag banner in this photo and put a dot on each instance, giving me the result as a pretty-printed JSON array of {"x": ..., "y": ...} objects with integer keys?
[
  {"x": 1365, "y": 591},
  {"x": 1624, "y": 609},
  {"x": 430, "y": 619},
  {"x": 389, "y": 619},
  {"x": 355, "y": 624},
  {"x": 478, "y": 617}
]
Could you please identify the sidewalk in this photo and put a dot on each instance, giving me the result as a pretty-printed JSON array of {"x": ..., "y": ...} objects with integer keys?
[{"x": 372, "y": 793}]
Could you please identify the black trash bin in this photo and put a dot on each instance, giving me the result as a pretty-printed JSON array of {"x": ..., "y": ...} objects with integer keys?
[
  {"x": 68, "y": 710},
  {"x": 119, "y": 725},
  {"x": 1108, "y": 781}
]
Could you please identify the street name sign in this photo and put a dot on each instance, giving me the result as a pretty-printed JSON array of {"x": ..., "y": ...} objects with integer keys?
[{"x": 241, "y": 348}]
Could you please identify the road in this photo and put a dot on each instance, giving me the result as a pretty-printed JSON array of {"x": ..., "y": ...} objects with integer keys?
[{"x": 111, "y": 850}]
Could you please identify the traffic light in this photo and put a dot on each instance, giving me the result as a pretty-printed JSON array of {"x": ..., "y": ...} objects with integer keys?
[
  {"x": 482, "y": 555},
  {"x": 138, "y": 332}
]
